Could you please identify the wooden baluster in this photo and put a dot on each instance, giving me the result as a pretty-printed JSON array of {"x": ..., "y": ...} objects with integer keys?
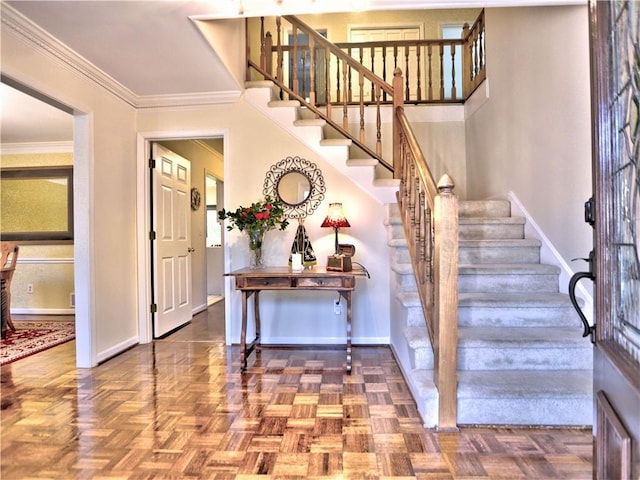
[
  {"x": 361, "y": 83},
  {"x": 407, "y": 73},
  {"x": 453, "y": 72},
  {"x": 338, "y": 82},
  {"x": 441, "y": 71},
  {"x": 430, "y": 55},
  {"x": 327, "y": 76},
  {"x": 350, "y": 89},
  {"x": 279, "y": 58},
  {"x": 294, "y": 63},
  {"x": 361, "y": 60},
  {"x": 384, "y": 71},
  {"x": 378, "y": 123},
  {"x": 373, "y": 70},
  {"x": 312, "y": 71},
  {"x": 467, "y": 51},
  {"x": 268, "y": 47},
  {"x": 263, "y": 53},
  {"x": 418, "y": 73},
  {"x": 346, "y": 94},
  {"x": 397, "y": 103},
  {"x": 247, "y": 53}
]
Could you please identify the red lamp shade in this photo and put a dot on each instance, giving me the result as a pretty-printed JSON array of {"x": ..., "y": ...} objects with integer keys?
[{"x": 335, "y": 217}]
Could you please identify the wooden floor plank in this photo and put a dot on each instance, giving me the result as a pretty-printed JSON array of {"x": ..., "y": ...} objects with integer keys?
[{"x": 180, "y": 408}]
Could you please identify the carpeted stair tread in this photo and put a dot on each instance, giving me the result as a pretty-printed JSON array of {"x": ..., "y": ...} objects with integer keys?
[
  {"x": 525, "y": 337},
  {"x": 507, "y": 268},
  {"x": 524, "y": 299},
  {"x": 283, "y": 103},
  {"x": 508, "y": 242},
  {"x": 491, "y": 220},
  {"x": 528, "y": 384}
]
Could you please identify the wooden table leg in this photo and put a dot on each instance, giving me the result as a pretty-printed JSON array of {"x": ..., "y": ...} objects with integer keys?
[
  {"x": 347, "y": 296},
  {"x": 4, "y": 307},
  {"x": 243, "y": 332},
  {"x": 244, "y": 350}
]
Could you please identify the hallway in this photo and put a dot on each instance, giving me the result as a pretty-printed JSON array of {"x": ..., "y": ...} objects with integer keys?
[{"x": 179, "y": 408}]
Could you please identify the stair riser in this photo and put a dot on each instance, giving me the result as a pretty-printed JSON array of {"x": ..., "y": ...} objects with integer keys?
[
  {"x": 415, "y": 317},
  {"x": 395, "y": 231},
  {"x": 490, "y": 232},
  {"x": 522, "y": 357},
  {"x": 498, "y": 255},
  {"x": 422, "y": 358},
  {"x": 508, "y": 283},
  {"x": 521, "y": 411},
  {"x": 406, "y": 282},
  {"x": 492, "y": 208},
  {"x": 516, "y": 316},
  {"x": 400, "y": 255}
]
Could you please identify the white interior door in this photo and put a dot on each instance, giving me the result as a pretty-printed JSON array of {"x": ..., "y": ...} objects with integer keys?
[{"x": 172, "y": 244}]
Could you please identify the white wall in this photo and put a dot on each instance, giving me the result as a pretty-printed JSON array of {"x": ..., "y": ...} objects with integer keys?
[
  {"x": 532, "y": 136},
  {"x": 252, "y": 145},
  {"x": 104, "y": 220}
]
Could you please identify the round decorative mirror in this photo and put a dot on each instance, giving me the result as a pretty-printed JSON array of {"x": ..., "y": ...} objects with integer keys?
[
  {"x": 297, "y": 183},
  {"x": 293, "y": 188}
]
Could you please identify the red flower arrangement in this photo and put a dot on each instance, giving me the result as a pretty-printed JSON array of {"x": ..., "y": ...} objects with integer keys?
[{"x": 261, "y": 216}]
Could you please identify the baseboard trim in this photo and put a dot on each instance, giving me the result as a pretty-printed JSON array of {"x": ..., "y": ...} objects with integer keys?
[
  {"x": 43, "y": 311},
  {"x": 117, "y": 349}
]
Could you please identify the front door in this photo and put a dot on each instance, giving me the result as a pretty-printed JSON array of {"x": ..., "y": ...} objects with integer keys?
[
  {"x": 615, "y": 51},
  {"x": 172, "y": 243}
]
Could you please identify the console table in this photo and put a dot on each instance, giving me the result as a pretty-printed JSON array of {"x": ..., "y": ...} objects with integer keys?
[{"x": 252, "y": 281}]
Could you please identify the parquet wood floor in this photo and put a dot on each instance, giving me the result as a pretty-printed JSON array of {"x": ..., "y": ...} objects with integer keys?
[{"x": 180, "y": 409}]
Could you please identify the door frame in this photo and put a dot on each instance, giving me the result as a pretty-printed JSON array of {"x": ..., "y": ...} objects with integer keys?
[{"x": 143, "y": 220}]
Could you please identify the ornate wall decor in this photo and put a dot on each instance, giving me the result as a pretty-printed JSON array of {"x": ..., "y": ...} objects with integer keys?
[{"x": 298, "y": 184}]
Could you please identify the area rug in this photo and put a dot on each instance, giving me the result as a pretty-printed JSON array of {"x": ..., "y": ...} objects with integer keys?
[{"x": 32, "y": 337}]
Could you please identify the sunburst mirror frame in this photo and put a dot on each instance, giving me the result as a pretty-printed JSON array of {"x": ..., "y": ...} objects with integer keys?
[{"x": 301, "y": 166}]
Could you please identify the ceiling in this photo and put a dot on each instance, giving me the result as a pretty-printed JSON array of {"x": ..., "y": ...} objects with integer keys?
[{"x": 155, "y": 48}]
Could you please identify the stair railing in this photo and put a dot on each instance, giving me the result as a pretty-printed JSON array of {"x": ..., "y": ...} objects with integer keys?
[
  {"x": 430, "y": 219},
  {"x": 320, "y": 61},
  {"x": 429, "y": 210}
]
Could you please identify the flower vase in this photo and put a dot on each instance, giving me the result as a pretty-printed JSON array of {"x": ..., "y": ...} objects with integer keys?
[{"x": 255, "y": 246}]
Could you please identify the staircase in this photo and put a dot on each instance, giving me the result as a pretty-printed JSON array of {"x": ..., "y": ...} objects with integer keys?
[
  {"x": 316, "y": 134},
  {"x": 522, "y": 359}
]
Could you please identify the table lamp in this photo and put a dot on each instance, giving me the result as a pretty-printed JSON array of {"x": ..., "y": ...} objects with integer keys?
[{"x": 335, "y": 219}]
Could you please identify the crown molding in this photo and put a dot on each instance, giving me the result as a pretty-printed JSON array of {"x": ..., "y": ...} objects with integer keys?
[
  {"x": 47, "y": 43},
  {"x": 36, "y": 147},
  {"x": 188, "y": 99},
  {"x": 54, "y": 48}
]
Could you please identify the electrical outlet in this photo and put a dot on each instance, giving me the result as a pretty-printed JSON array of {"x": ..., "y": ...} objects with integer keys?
[
  {"x": 30, "y": 288},
  {"x": 337, "y": 308}
]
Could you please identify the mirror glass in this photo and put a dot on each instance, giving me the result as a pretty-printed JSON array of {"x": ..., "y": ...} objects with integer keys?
[{"x": 294, "y": 188}]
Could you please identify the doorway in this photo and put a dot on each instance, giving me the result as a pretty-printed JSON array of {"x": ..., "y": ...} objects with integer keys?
[{"x": 205, "y": 151}]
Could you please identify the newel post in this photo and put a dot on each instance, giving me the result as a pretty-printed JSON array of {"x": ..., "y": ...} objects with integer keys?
[
  {"x": 398, "y": 101},
  {"x": 466, "y": 61},
  {"x": 446, "y": 296}
]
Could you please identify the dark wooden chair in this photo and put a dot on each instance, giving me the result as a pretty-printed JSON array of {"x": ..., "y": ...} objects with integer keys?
[{"x": 8, "y": 259}]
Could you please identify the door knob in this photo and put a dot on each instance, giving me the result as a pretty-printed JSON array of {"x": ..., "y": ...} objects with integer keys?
[{"x": 191, "y": 249}]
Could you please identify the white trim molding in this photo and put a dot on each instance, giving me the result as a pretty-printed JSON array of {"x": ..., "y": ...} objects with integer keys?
[{"x": 36, "y": 147}]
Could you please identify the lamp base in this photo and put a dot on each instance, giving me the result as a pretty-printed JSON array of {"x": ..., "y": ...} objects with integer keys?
[{"x": 339, "y": 263}]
